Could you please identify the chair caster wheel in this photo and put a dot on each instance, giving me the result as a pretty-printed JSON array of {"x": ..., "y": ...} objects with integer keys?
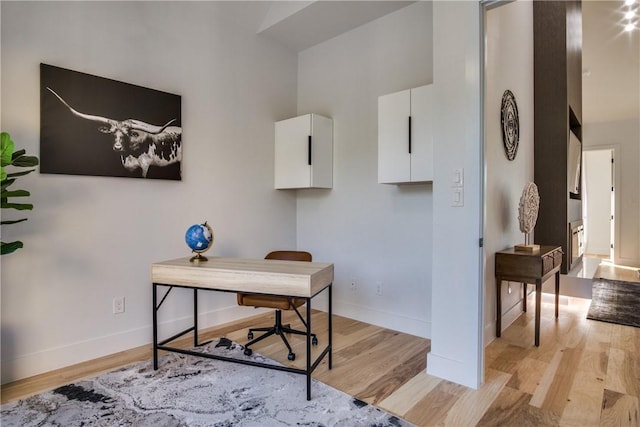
[
  {"x": 291, "y": 356},
  {"x": 314, "y": 340},
  {"x": 248, "y": 352},
  {"x": 250, "y": 336}
]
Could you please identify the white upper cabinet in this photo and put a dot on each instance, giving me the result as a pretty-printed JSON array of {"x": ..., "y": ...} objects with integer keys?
[
  {"x": 304, "y": 152},
  {"x": 405, "y": 141}
]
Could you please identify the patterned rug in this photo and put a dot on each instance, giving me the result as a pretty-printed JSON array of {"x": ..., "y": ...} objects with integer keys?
[
  {"x": 192, "y": 391},
  {"x": 614, "y": 301}
]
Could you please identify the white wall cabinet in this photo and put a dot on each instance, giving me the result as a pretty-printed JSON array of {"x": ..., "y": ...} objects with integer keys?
[
  {"x": 304, "y": 152},
  {"x": 405, "y": 141}
]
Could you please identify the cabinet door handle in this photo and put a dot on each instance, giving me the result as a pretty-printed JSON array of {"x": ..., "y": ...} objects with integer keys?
[
  {"x": 409, "y": 134},
  {"x": 309, "y": 152}
]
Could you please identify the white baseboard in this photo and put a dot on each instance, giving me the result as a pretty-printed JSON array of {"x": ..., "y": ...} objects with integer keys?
[
  {"x": 451, "y": 370},
  {"x": 407, "y": 325},
  {"x": 489, "y": 332},
  {"x": 598, "y": 251},
  {"x": 27, "y": 365},
  {"x": 508, "y": 318},
  {"x": 629, "y": 262}
]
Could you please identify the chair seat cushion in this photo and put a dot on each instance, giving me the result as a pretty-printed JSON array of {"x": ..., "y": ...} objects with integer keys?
[{"x": 269, "y": 301}]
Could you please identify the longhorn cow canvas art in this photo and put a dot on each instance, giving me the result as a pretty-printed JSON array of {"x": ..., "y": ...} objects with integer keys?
[{"x": 91, "y": 125}]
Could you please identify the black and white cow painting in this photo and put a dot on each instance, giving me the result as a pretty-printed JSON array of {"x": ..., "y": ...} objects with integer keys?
[{"x": 91, "y": 125}]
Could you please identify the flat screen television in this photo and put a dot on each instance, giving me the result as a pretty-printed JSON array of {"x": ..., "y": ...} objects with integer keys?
[{"x": 575, "y": 159}]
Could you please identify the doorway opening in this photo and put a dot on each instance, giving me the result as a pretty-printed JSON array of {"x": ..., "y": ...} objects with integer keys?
[{"x": 598, "y": 206}]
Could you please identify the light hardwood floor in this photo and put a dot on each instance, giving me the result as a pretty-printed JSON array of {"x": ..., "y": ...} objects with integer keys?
[
  {"x": 585, "y": 373},
  {"x": 607, "y": 270}
]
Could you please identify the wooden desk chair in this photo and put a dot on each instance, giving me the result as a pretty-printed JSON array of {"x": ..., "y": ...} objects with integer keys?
[{"x": 278, "y": 303}]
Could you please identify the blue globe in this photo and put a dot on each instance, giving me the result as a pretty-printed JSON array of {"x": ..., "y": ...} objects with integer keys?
[{"x": 199, "y": 237}]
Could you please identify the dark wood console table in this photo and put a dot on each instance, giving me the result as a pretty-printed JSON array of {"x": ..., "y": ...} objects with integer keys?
[{"x": 528, "y": 267}]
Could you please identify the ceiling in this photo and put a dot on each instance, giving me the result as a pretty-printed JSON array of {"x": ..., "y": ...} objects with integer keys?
[
  {"x": 610, "y": 64},
  {"x": 610, "y": 56},
  {"x": 300, "y": 25}
]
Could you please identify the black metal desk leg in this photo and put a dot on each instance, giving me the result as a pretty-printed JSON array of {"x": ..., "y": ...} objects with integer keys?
[
  {"x": 155, "y": 326},
  {"x": 308, "y": 348},
  {"x": 195, "y": 317}
]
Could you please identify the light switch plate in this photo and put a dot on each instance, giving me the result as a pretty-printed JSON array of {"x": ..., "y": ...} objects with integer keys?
[
  {"x": 457, "y": 196},
  {"x": 457, "y": 179}
]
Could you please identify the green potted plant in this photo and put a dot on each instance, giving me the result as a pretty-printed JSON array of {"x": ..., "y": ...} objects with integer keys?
[{"x": 16, "y": 159}]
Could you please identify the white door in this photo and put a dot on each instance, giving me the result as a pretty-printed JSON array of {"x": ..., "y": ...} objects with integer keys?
[
  {"x": 292, "y": 168},
  {"x": 421, "y": 134},
  {"x": 394, "y": 160}
]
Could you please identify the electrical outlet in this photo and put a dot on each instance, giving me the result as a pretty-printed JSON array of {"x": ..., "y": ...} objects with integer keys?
[
  {"x": 509, "y": 289},
  {"x": 118, "y": 305},
  {"x": 378, "y": 288},
  {"x": 354, "y": 285}
]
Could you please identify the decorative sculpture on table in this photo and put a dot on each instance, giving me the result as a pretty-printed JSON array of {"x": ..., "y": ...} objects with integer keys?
[
  {"x": 528, "y": 215},
  {"x": 199, "y": 238}
]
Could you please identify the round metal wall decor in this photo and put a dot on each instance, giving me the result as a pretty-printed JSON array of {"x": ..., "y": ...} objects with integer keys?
[{"x": 510, "y": 124}]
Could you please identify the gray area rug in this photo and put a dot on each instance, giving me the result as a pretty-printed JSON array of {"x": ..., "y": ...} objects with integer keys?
[
  {"x": 192, "y": 391},
  {"x": 614, "y": 301}
]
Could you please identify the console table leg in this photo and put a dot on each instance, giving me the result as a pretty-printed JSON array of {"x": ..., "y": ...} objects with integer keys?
[
  {"x": 538, "y": 304},
  {"x": 557, "y": 291},
  {"x": 330, "y": 325},
  {"x": 524, "y": 297},
  {"x": 498, "y": 306}
]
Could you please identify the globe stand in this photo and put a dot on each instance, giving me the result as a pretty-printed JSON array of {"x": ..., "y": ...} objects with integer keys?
[
  {"x": 198, "y": 257},
  {"x": 199, "y": 238}
]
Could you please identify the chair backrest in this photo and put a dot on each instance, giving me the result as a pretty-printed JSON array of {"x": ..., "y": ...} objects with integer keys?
[{"x": 289, "y": 256}]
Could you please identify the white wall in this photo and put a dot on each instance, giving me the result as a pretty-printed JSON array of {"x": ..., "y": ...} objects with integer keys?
[
  {"x": 624, "y": 137},
  {"x": 90, "y": 239},
  {"x": 457, "y": 290},
  {"x": 372, "y": 232},
  {"x": 509, "y": 65},
  {"x": 597, "y": 200},
  {"x": 57, "y": 292}
]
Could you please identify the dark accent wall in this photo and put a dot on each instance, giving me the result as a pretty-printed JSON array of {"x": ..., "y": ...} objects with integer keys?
[{"x": 557, "y": 50}]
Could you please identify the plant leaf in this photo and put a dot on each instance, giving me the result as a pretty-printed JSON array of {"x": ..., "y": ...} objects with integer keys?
[
  {"x": 10, "y": 247},
  {"x": 21, "y": 173},
  {"x": 15, "y": 193},
  {"x": 7, "y": 147},
  {"x": 17, "y": 206},
  {"x": 7, "y": 183},
  {"x": 25, "y": 161},
  {"x": 17, "y": 154},
  {"x": 13, "y": 221}
]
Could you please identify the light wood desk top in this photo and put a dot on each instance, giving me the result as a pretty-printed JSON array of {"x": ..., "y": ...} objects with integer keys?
[{"x": 290, "y": 278}]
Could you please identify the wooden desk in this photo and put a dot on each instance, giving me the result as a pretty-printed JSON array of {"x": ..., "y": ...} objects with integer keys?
[
  {"x": 527, "y": 267},
  {"x": 273, "y": 277}
]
